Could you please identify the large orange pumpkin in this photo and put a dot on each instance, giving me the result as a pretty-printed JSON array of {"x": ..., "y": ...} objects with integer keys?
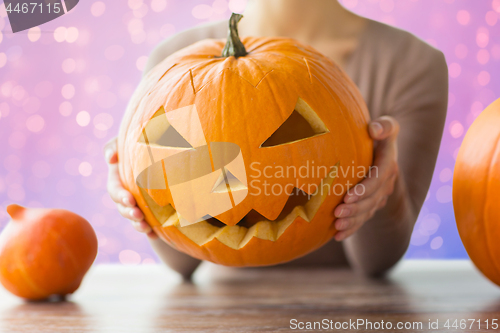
[
  {"x": 238, "y": 153},
  {"x": 45, "y": 252},
  {"x": 476, "y": 192}
]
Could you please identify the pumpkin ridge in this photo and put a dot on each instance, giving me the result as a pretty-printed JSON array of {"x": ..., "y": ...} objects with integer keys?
[
  {"x": 308, "y": 70},
  {"x": 495, "y": 154},
  {"x": 166, "y": 72},
  {"x": 66, "y": 249},
  {"x": 24, "y": 274}
]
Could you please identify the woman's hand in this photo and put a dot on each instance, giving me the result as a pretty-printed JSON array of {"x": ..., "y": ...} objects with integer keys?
[
  {"x": 124, "y": 200},
  {"x": 379, "y": 184}
]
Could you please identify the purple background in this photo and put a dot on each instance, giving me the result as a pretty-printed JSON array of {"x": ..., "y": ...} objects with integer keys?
[{"x": 64, "y": 87}]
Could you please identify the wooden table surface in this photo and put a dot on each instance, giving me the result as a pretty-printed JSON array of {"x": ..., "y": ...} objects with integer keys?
[{"x": 150, "y": 298}]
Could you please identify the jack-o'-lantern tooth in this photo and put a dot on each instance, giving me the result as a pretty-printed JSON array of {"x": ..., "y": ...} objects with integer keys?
[
  {"x": 231, "y": 236},
  {"x": 312, "y": 206},
  {"x": 161, "y": 213},
  {"x": 173, "y": 220},
  {"x": 290, "y": 218},
  {"x": 200, "y": 232},
  {"x": 300, "y": 211},
  {"x": 263, "y": 230}
]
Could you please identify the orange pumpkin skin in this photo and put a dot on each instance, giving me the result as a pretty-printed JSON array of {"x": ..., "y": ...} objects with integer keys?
[
  {"x": 45, "y": 252},
  {"x": 244, "y": 100},
  {"x": 476, "y": 192}
]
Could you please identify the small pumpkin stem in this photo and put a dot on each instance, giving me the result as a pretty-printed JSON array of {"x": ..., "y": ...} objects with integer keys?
[
  {"x": 15, "y": 211},
  {"x": 234, "y": 47}
]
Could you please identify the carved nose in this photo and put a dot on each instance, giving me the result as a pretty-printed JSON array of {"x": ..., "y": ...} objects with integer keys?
[{"x": 227, "y": 182}]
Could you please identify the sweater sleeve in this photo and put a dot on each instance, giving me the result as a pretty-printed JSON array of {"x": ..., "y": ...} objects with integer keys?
[
  {"x": 418, "y": 100},
  {"x": 407, "y": 79}
]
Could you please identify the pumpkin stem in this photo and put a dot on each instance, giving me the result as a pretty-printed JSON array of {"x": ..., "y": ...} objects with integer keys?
[
  {"x": 234, "y": 47},
  {"x": 15, "y": 211}
]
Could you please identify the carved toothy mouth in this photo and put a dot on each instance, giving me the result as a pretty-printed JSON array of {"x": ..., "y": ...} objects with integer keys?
[{"x": 252, "y": 224}]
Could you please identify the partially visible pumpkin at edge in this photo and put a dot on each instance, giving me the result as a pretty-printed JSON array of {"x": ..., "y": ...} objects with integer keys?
[
  {"x": 476, "y": 192},
  {"x": 282, "y": 104}
]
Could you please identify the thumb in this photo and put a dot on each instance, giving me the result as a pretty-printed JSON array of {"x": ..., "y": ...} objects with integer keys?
[
  {"x": 385, "y": 127},
  {"x": 110, "y": 151}
]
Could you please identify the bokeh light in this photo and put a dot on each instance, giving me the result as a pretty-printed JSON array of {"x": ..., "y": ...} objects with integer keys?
[
  {"x": 445, "y": 175},
  {"x": 60, "y": 34},
  {"x": 483, "y": 78},
  {"x": 85, "y": 169},
  {"x": 141, "y": 62},
  {"x": 68, "y": 65},
  {"x": 129, "y": 257},
  {"x": 83, "y": 118},
  {"x": 202, "y": 11},
  {"x": 436, "y": 243},
  {"x": 65, "y": 108},
  {"x": 456, "y": 129},
  {"x": 237, "y": 6},
  {"x": 98, "y": 8},
  {"x": 483, "y": 56},
  {"x": 463, "y": 17},
  {"x": 35, "y": 123},
  {"x": 34, "y": 34},
  {"x": 444, "y": 194},
  {"x": 68, "y": 91},
  {"x": 158, "y": 5}
]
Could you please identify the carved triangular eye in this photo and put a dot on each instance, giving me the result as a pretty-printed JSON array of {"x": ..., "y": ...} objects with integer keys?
[
  {"x": 172, "y": 138},
  {"x": 303, "y": 123},
  {"x": 159, "y": 131},
  {"x": 226, "y": 179}
]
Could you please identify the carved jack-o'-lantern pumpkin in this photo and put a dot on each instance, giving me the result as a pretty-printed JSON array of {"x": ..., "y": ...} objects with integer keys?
[{"x": 240, "y": 159}]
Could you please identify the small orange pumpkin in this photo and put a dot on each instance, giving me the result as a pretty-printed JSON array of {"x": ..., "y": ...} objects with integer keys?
[
  {"x": 217, "y": 140},
  {"x": 476, "y": 192},
  {"x": 45, "y": 252}
]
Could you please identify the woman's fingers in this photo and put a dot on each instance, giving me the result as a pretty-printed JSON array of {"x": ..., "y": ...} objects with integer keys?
[
  {"x": 384, "y": 167},
  {"x": 131, "y": 213},
  {"x": 351, "y": 217},
  {"x": 353, "y": 224},
  {"x": 369, "y": 203},
  {"x": 358, "y": 208},
  {"x": 141, "y": 226},
  {"x": 152, "y": 235},
  {"x": 124, "y": 200},
  {"x": 111, "y": 151},
  {"x": 348, "y": 226},
  {"x": 137, "y": 219},
  {"x": 116, "y": 190},
  {"x": 370, "y": 195},
  {"x": 385, "y": 127}
]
